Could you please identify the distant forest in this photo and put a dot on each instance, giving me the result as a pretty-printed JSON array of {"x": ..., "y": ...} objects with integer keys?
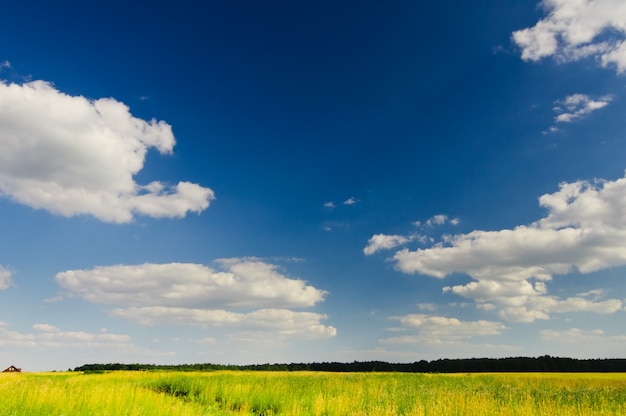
[{"x": 544, "y": 363}]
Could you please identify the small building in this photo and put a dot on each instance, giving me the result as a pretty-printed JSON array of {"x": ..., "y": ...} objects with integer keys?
[{"x": 13, "y": 369}]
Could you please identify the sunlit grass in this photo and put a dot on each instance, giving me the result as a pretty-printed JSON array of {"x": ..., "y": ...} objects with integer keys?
[{"x": 311, "y": 393}]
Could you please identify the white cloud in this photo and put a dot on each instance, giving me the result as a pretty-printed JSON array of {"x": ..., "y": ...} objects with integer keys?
[
  {"x": 45, "y": 328},
  {"x": 576, "y": 29},
  {"x": 439, "y": 329},
  {"x": 5, "y": 64},
  {"x": 281, "y": 322},
  {"x": 329, "y": 204},
  {"x": 595, "y": 337},
  {"x": 584, "y": 231},
  {"x": 595, "y": 294},
  {"x": 52, "y": 337},
  {"x": 383, "y": 242},
  {"x": 538, "y": 306},
  {"x": 350, "y": 201},
  {"x": 576, "y": 106},
  {"x": 439, "y": 219},
  {"x": 5, "y": 278},
  {"x": 194, "y": 294},
  {"x": 423, "y": 239},
  {"x": 71, "y": 156},
  {"x": 239, "y": 283},
  {"x": 380, "y": 242}
]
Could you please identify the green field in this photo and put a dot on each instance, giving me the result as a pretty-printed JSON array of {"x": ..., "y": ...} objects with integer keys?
[{"x": 311, "y": 393}]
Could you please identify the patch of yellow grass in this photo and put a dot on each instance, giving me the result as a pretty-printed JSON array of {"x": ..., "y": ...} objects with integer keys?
[{"x": 311, "y": 393}]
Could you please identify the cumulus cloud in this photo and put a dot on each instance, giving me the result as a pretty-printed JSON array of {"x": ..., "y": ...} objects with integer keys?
[
  {"x": 573, "y": 30},
  {"x": 576, "y": 106},
  {"x": 70, "y": 155},
  {"x": 5, "y": 278},
  {"x": 439, "y": 329},
  {"x": 584, "y": 231},
  {"x": 49, "y": 336},
  {"x": 196, "y": 294},
  {"x": 525, "y": 302},
  {"x": 282, "y": 322},
  {"x": 350, "y": 201},
  {"x": 238, "y": 283},
  {"x": 379, "y": 242},
  {"x": 383, "y": 242}
]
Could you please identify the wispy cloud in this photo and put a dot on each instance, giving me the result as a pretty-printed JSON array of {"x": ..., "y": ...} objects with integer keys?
[
  {"x": 281, "y": 322},
  {"x": 439, "y": 329},
  {"x": 431, "y": 307},
  {"x": 350, "y": 201},
  {"x": 576, "y": 106},
  {"x": 49, "y": 336},
  {"x": 575, "y": 30},
  {"x": 5, "y": 278},
  {"x": 70, "y": 156},
  {"x": 329, "y": 204},
  {"x": 595, "y": 338},
  {"x": 439, "y": 219}
]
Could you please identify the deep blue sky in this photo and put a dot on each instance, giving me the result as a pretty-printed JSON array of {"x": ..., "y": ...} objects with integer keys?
[{"x": 371, "y": 173}]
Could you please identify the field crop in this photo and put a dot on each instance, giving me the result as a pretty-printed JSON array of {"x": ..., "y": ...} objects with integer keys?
[{"x": 311, "y": 393}]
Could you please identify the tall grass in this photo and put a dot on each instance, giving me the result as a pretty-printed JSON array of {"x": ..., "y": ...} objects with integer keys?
[
  {"x": 308, "y": 393},
  {"x": 68, "y": 394}
]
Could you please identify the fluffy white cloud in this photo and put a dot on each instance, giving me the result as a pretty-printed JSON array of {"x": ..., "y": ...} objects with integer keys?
[
  {"x": 194, "y": 294},
  {"x": 537, "y": 305},
  {"x": 240, "y": 283},
  {"x": 70, "y": 156},
  {"x": 584, "y": 231},
  {"x": 439, "y": 329},
  {"x": 350, "y": 201},
  {"x": 380, "y": 242},
  {"x": 437, "y": 220},
  {"x": 5, "y": 278},
  {"x": 576, "y": 106},
  {"x": 281, "y": 322},
  {"x": 575, "y": 29},
  {"x": 383, "y": 242},
  {"x": 52, "y": 337}
]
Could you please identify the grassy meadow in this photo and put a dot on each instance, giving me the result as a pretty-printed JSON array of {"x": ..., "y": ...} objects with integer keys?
[{"x": 311, "y": 393}]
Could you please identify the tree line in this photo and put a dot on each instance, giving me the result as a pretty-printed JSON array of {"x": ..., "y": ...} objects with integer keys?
[{"x": 544, "y": 363}]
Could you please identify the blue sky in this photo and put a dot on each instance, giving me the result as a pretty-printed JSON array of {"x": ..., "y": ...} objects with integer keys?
[{"x": 232, "y": 182}]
